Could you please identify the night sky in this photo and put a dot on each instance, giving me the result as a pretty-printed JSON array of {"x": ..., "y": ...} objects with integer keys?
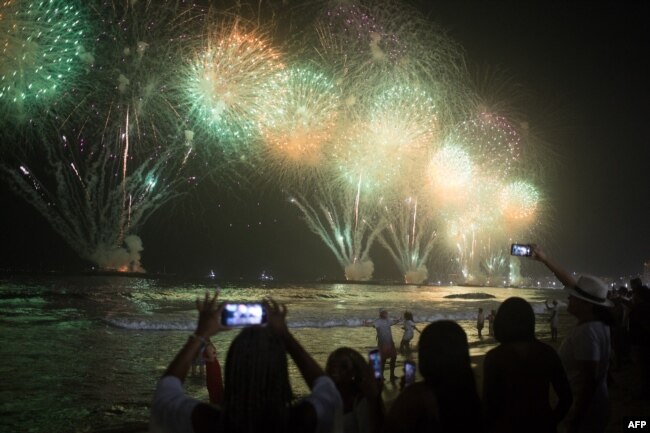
[{"x": 584, "y": 67}]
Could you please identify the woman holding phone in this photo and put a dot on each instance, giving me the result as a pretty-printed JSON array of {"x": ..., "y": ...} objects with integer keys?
[
  {"x": 257, "y": 392},
  {"x": 446, "y": 401}
]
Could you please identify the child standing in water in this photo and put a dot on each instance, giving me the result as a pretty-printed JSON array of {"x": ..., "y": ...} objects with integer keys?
[
  {"x": 554, "y": 319},
  {"x": 490, "y": 319},
  {"x": 409, "y": 326}
]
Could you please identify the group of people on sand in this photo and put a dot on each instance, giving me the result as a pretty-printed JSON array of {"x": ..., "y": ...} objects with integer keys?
[
  {"x": 385, "y": 342},
  {"x": 346, "y": 397}
]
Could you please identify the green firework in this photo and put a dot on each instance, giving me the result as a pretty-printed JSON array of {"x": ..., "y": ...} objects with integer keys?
[{"x": 42, "y": 54}]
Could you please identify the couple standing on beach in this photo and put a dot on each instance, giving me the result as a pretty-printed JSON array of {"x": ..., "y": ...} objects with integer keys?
[{"x": 385, "y": 341}]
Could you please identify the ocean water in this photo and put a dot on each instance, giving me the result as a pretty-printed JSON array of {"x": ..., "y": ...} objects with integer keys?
[{"x": 83, "y": 354}]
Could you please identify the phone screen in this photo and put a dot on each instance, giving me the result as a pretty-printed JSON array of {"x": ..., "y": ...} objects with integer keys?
[
  {"x": 375, "y": 362},
  {"x": 520, "y": 250},
  {"x": 409, "y": 373},
  {"x": 243, "y": 314}
]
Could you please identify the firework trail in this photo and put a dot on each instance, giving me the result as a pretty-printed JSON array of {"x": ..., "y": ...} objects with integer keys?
[
  {"x": 410, "y": 238},
  {"x": 80, "y": 194},
  {"x": 371, "y": 105},
  {"x": 346, "y": 225},
  {"x": 136, "y": 76}
]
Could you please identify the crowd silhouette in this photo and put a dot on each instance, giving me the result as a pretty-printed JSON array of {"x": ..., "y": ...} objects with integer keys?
[{"x": 528, "y": 385}]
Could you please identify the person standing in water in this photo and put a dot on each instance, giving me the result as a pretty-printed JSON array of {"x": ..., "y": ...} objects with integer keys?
[
  {"x": 480, "y": 323},
  {"x": 554, "y": 319},
  {"x": 409, "y": 327},
  {"x": 385, "y": 341}
]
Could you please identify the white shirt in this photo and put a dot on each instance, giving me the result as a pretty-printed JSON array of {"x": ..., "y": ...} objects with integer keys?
[
  {"x": 384, "y": 334},
  {"x": 408, "y": 330},
  {"x": 589, "y": 341},
  {"x": 171, "y": 410}
]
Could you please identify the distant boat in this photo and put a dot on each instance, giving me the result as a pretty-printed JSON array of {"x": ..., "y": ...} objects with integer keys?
[{"x": 265, "y": 277}]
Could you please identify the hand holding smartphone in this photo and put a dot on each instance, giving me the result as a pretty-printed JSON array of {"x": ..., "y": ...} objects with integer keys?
[
  {"x": 374, "y": 358},
  {"x": 243, "y": 314},
  {"x": 523, "y": 250},
  {"x": 409, "y": 373}
]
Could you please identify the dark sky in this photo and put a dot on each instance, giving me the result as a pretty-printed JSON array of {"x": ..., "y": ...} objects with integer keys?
[{"x": 585, "y": 64}]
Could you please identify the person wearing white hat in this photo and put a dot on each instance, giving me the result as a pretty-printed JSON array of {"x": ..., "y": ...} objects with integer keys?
[{"x": 585, "y": 351}]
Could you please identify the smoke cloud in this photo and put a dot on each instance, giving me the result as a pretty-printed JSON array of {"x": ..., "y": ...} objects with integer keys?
[
  {"x": 122, "y": 259},
  {"x": 361, "y": 271}
]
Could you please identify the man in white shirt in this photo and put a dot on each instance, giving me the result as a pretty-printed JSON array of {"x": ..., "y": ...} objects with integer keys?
[{"x": 385, "y": 341}]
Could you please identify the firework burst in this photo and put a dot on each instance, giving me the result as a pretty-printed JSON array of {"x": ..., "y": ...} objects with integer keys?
[
  {"x": 229, "y": 81},
  {"x": 493, "y": 142},
  {"x": 518, "y": 202},
  {"x": 388, "y": 147},
  {"x": 42, "y": 52},
  {"x": 303, "y": 120},
  {"x": 134, "y": 93},
  {"x": 450, "y": 174}
]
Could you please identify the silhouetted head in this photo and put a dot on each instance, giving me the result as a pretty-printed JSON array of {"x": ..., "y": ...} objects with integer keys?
[
  {"x": 408, "y": 315},
  {"x": 446, "y": 368},
  {"x": 636, "y": 283},
  {"x": 442, "y": 348},
  {"x": 515, "y": 321},
  {"x": 347, "y": 368},
  {"x": 257, "y": 391}
]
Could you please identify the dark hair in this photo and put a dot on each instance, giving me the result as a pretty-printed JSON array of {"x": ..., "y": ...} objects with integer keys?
[
  {"x": 445, "y": 365},
  {"x": 604, "y": 314},
  {"x": 357, "y": 364},
  {"x": 257, "y": 391},
  {"x": 515, "y": 321},
  {"x": 408, "y": 315}
]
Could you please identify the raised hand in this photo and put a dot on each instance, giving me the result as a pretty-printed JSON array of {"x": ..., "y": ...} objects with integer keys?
[
  {"x": 209, "y": 316},
  {"x": 276, "y": 316}
]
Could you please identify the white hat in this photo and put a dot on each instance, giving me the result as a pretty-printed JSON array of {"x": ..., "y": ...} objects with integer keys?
[{"x": 590, "y": 289}]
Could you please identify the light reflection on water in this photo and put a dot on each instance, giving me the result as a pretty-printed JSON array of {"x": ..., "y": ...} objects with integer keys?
[{"x": 84, "y": 353}]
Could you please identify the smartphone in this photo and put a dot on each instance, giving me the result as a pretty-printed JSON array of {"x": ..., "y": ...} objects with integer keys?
[
  {"x": 375, "y": 362},
  {"x": 243, "y": 314},
  {"x": 521, "y": 250},
  {"x": 409, "y": 373}
]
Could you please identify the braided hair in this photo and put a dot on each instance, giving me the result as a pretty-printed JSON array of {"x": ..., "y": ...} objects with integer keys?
[{"x": 257, "y": 391}]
